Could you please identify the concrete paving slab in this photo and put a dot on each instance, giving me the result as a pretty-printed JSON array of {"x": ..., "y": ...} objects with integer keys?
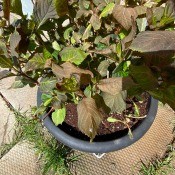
[
  {"x": 22, "y": 98},
  {"x": 6, "y": 124},
  {"x": 20, "y": 160}
]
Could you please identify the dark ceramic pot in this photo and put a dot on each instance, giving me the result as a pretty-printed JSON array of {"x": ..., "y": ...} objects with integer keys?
[{"x": 109, "y": 143}]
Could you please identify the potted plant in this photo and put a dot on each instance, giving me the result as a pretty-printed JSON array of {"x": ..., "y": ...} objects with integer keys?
[{"x": 99, "y": 64}]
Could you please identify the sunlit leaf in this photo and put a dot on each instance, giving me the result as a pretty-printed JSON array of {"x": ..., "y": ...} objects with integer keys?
[
  {"x": 48, "y": 84},
  {"x": 73, "y": 55},
  {"x": 107, "y": 10},
  {"x": 58, "y": 116}
]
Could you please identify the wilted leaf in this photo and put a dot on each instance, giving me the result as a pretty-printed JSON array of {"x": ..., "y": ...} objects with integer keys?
[
  {"x": 73, "y": 55},
  {"x": 16, "y": 7},
  {"x": 89, "y": 118},
  {"x": 14, "y": 41},
  {"x": 67, "y": 69},
  {"x": 107, "y": 10},
  {"x": 61, "y": 7},
  {"x": 58, "y": 116},
  {"x": 153, "y": 41},
  {"x": 95, "y": 22},
  {"x": 48, "y": 84},
  {"x": 6, "y": 9},
  {"x": 37, "y": 62},
  {"x": 44, "y": 10},
  {"x": 103, "y": 67},
  {"x": 115, "y": 102},
  {"x": 5, "y": 62},
  {"x": 144, "y": 77},
  {"x": 124, "y": 15}
]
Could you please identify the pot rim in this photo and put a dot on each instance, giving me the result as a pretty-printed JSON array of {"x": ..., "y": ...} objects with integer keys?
[{"x": 106, "y": 146}]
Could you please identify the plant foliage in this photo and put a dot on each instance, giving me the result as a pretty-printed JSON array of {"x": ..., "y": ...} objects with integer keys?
[{"x": 88, "y": 48}]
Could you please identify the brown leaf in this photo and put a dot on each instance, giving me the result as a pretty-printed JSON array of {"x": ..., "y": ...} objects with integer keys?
[
  {"x": 67, "y": 69},
  {"x": 130, "y": 36},
  {"x": 95, "y": 22},
  {"x": 154, "y": 41},
  {"x": 124, "y": 15},
  {"x": 115, "y": 85},
  {"x": 89, "y": 118},
  {"x": 111, "y": 85}
]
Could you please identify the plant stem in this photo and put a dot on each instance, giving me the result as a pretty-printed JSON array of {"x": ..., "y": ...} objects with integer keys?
[
  {"x": 25, "y": 75},
  {"x": 47, "y": 114}
]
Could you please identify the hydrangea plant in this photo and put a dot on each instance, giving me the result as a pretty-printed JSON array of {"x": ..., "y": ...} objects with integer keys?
[{"x": 93, "y": 53}]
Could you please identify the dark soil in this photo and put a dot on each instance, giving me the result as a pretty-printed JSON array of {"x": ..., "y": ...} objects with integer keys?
[{"x": 107, "y": 128}]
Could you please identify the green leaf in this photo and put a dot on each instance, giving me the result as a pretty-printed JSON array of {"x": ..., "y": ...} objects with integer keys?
[
  {"x": 124, "y": 15},
  {"x": 136, "y": 110},
  {"x": 107, "y": 10},
  {"x": 47, "y": 102},
  {"x": 46, "y": 54},
  {"x": 73, "y": 55},
  {"x": 5, "y": 62},
  {"x": 88, "y": 91},
  {"x": 3, "y": 49},
  {"x": 154, "y": 41},
  {"x": 6, "y": 9},
  {"x": 56, "y": 46},
  {"x": 115, "y": 102},
  {"x": 61, "y": 7},
  {"x": 144, "y": 77},
  {"x": 112, "y": 120},
  {"x": 19, "y": 83},
  {"x": 58, "y": 116},
  {"x": 87, "y": 32},
  {"x": 37, "y": 62},
  {"x": 16, "y": 7},
  {"x": 89, "y": 117},
  {"x": 103, "y": 68},
  {"x": 48, "y": 84},
  {"x": 141, "y": 23},
  {"x": 14, "y": 42},
  {"x": 44, "y": 10},
  {"x": 45, "y": 97},
  {"x": 67, "y": 33}
]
